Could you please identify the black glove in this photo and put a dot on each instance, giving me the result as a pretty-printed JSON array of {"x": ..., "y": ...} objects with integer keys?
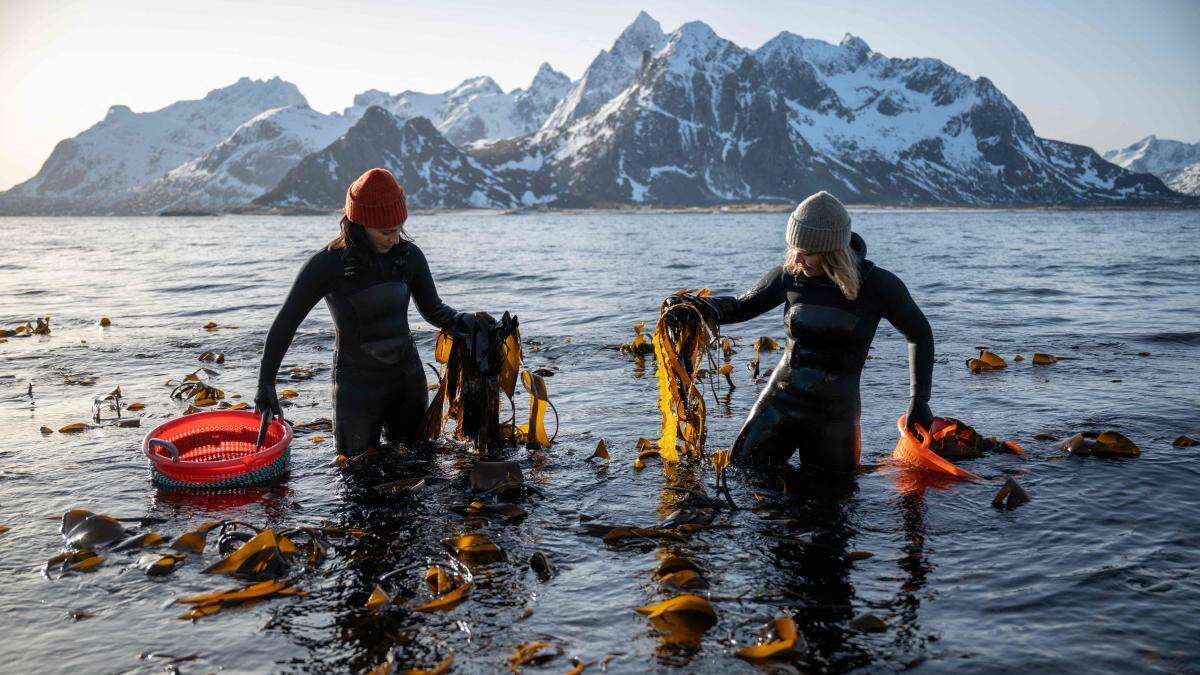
[
  {"x": 919, "y": 413},
  {"x": 706, "y": 307},
  {"x": 265, "y": 400}
]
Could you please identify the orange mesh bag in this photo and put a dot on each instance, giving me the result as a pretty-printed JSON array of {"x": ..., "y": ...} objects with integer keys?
[{"x": 913, "y": 449}]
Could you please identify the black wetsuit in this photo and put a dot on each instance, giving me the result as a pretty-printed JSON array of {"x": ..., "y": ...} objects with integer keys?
[
  {"x": 811, "y": 401},
  {"x": 378, "y": 380}
]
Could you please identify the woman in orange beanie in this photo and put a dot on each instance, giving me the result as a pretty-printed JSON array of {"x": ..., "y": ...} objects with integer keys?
[{"x": 366, "y": 275}]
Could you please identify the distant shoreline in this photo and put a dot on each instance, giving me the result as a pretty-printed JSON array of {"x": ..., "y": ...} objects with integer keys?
[{"x": 726, "y": 209}]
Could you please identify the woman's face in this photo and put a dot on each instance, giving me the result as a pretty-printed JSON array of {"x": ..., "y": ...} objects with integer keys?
[
  {"x": 383, "y": 238},
  {"x": 810, "y": 263}
]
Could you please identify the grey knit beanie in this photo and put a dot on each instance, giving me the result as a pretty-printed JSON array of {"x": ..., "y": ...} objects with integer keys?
[{"x": 819, "y": 224}]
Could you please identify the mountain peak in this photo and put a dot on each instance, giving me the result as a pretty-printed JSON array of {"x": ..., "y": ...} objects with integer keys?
[
  {"x": 644, "y": 33},
  {"x": 855, "y": 43},
  {"x": 117, "y": 112},
  {"x": 482, "y": 84}
]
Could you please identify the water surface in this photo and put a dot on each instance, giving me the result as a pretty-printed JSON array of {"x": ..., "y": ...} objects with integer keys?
[{"x": 1098, "y": 572}]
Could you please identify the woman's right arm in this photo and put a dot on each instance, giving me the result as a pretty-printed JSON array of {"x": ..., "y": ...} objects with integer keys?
[
  {"x": 766, "y": 295},
  {"x": 312, "y": 283}
]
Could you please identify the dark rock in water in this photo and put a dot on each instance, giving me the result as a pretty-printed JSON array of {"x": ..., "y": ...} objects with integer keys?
[
  {"x": 868, "y": 623},
  {"x": 490, "y": 475},
  {"x": 541, "y": 566},
  {"x": 859, "y": 555},
  {"x": 94, "y": 531},
  {"x": 129, "y": 423},
  {"x": 1010, "y": 496}
]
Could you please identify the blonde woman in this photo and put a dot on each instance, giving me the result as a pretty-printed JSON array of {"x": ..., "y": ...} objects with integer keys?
[{"x": 833, "y": 299}]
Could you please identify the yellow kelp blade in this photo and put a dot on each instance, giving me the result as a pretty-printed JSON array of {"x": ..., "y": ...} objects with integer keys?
[
  {"x": 684, "y": 617},
  {"x": 510, "y": 364},
  {"x": 443, "y": 346},
  {"x": 672, "y": 380},
  {"x": 683, "y": 580},
  {"x": 435, "y": 416},
  {"x": 258, "y": 590},
  {"x": 601, "y": 451},
  {"x": 670, "y": 425},
  {"x": 539, "y": 400},
  {"x": 720, "y": 460},
  {"x": 531, "y": 653},
  {"x": 780, "y": 639},
  {"x": 446, "y": 602},
  {"x": 263, "y": 541},
  {"x": 475, "y": 548},
  {"x": 438, "y": 580},
  {"x": 378, "y": 598}
]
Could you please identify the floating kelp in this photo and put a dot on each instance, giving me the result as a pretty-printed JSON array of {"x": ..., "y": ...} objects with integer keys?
[
  {"x": 92, "y": 529},
  {"x": 532, "y": 654},
  {"x": 40, "y": 326},
  {"x": 476, "y": 367},
  {"x": 1109, "y": 444},
  {"x": 601, "y": 451},
  {"x": 83, "y": 560},
  {"x": 140, "y": 541},
  {"x": 263, "y": 556},
  {"x": 446, "y": 601},
  {"x": 207, "y": 604},
  {"x": 193, "y": 388},
  {"x": 682, "y": 618},
  {"x": 954, "y": 439},
  {"x": 777, "y": 640},
  {"x": 539, "y": 400},
  {"x": 682, "y": 339},
  {"x": 110, "y": 402},
  {"x": 195, "y": 540},
  {"x": 474, "y": 549},
  {"x": 1010, "y": 496},
  {"x": 1040, "y": 359},
  {"x": 165, "y": 565},
  {"x": 1184, "y": 442},
  {"x": 212, "y": 357},
  {"x": 762, "y": 344},
  {"x": 986, "y": 361},
  {"x": 638, "y": 346}
]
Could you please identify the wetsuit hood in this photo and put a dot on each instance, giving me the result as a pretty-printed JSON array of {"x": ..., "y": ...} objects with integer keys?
[{"x": 858, "y": 245}]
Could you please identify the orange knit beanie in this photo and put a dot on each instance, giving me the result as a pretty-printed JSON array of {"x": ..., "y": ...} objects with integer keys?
[{"x": 376, "y": 200}]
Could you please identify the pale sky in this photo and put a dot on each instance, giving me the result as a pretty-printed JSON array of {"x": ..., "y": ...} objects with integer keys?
[{"x": 1101, "y": 73}]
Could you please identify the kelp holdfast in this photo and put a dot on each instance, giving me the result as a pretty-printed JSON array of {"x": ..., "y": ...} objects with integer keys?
[
  {"x": 216, "y": 450},
  {"x": 478, "y": 366}
]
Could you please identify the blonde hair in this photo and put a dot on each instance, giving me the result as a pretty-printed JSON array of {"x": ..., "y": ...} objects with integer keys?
[{"x": 839, "y": 265}]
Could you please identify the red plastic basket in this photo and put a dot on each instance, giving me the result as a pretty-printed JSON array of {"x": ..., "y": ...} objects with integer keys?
[{"x": 216, "y": 449}]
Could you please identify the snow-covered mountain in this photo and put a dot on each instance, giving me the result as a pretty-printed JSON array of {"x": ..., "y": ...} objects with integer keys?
[
  {"x": 610, "y": 72},
  {"x": 1175, "y": 162},
  {"x": 434, "y": 173},
  {"x": 705, "y": 121},
  {"x": 248, "y": 163},
  {"x": 477, "y": 108},
  {"x": 688, "y": 118},
  {"x": 126, "y": 150}
]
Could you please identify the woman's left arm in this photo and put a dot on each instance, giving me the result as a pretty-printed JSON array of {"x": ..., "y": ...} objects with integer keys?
[
  {"x": 897, "y": 306},
  {"x": 425, "y": 295}
]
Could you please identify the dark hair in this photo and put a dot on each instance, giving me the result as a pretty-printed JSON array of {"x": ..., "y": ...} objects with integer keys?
[{"x": 354, "y": 235}]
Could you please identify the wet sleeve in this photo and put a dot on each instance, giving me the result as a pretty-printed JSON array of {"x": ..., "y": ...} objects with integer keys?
[
  {"x": 897, "y": 306},
  {"x": 425, "y": 294},
  {"x": 312, "y": 283},
  {"x": 766, "y": 295}
]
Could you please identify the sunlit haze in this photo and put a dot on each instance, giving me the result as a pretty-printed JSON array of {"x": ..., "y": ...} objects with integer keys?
[{"x": 1098, "y": 73}]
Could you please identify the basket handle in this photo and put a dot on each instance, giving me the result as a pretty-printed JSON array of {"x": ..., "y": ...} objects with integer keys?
[{"x": 166, "y": 445}]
